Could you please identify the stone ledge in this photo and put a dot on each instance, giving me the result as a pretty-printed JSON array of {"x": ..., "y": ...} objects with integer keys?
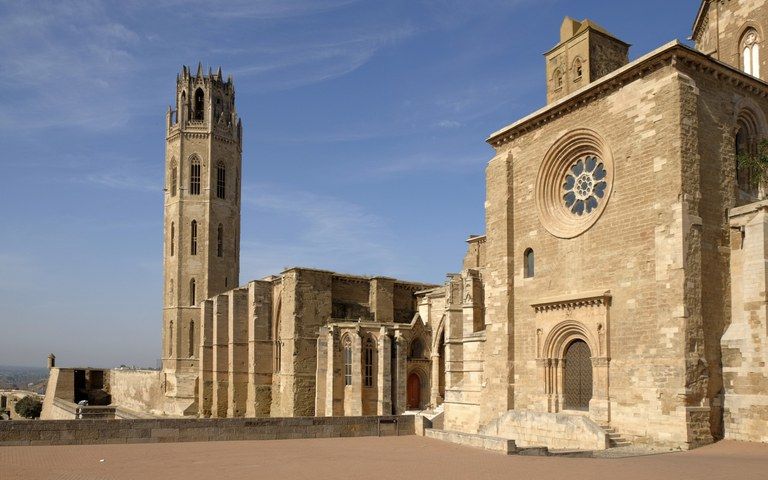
[{"x": 492, "y": 444}]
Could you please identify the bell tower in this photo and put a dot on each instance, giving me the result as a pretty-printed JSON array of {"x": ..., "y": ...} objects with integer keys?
[{"x": 201, "y": 256}]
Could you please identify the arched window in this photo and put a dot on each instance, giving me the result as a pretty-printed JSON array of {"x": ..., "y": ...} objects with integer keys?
[
  {"x": 746, "y": 145},
  {"x": 220, "y": 241},
  {"x": 199, "y": 104},
  {"x": 221, "y": 180},
  {"x": 173, "y": 238},
  {"x": 194, "y": 176},
  {"x": 174, "y": 178},
  {"x": 347, "y": 361},
  {"x": 170, "y": 339},
  {"x": 417, "y": 349},
  {"x": 192, "y": 339},
  {"x": 558, "y": 78},
  {"x": 278, "y": 356},
  {"x": 193, "y": 238},
  {"x": 750, "y": 52},
  {"x": 192, "y": 292},
  {"x": 578, "y": 69},
  {"x": 369, "y": 350},
  {"x": 529, "y": 261}
]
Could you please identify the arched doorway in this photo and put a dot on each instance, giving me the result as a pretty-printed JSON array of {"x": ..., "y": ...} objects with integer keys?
[
  {"x": 414, "y": 391},
  {"x": 577, "y": 381}
]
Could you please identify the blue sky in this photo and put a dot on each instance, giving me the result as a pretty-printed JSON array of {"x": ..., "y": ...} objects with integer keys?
[{"x": 364, "y": 127}]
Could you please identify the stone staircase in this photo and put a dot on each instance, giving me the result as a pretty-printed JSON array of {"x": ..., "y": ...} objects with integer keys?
[{"x": 614, "y": 438}]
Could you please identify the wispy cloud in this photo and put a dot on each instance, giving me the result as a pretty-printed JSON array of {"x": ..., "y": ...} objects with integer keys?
[
  {"x": 325, "y": 232},
  {"x": 254, "y": 9}
]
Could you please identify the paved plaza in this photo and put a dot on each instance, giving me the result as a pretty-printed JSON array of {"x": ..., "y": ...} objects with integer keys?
[{"x": 408, "y": 457}]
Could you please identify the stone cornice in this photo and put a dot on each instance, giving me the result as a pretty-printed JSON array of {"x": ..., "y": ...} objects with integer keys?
[
  {"x": 669, "y": 54},
  {"x": 700, "y": 16},
  {"x": 594, "y": 298}
]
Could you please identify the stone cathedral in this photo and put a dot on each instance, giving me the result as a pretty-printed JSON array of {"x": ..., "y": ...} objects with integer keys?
[{"x": 617, "y": 295}]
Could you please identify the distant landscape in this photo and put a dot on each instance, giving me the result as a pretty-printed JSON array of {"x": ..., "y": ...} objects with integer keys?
[{"x": 23, "y": 378}]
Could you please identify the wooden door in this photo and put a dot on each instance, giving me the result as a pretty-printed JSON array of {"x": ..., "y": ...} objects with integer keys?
[{"x": 414, "y": 391}]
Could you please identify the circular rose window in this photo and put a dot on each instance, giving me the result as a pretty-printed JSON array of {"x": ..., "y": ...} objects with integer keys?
[{"x": 574, "y": 183}]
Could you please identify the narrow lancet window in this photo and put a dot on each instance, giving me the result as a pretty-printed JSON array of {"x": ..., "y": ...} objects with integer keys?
[
  {"x": 220, "y": 241},
  {"x": 174, "y": 178},
  {"x": 530, "y": 263},
  {"x": 221, "y": 180},
  {"x": 173, "y": 238},
  {"x": 193, "y": 238},
  {"x": 194, "y": 177},
  {"x": 192, "y": 292},
  {"x": 368, "y": 353},
  {"x": 199, "y": 104},
  {"x": 347, "y": 361},
  {"x": 192, "y": 339}
]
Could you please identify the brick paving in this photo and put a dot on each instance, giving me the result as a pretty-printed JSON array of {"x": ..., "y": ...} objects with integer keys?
[{"x": 404, "y": 458}]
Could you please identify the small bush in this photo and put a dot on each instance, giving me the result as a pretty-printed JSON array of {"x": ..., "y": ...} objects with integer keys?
[{"x": 29, "y": 407}]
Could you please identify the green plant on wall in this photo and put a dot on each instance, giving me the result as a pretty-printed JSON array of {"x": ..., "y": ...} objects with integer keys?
[{"x": 756, "y": 163}]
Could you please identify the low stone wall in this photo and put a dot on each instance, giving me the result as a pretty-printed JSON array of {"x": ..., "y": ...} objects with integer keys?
[
  {"x": 84, "y": 432},
  {"x": 557, "y": 431},
  {"x": 492, "y": 444}
]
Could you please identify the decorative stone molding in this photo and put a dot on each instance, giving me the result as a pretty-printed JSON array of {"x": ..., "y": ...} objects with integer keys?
[{"x": 574, "y": 183}]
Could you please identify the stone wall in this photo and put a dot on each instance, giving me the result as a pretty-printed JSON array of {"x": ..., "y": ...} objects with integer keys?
[
  {"x": 137, "y": 390},
  {"x": 84, "y": 432},
  {"x": 745, "y": 342},
  {"x": 552, "y": 430}
]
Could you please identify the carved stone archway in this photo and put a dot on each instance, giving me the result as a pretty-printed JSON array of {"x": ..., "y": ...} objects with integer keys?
[{"x": 559, "y": 323}]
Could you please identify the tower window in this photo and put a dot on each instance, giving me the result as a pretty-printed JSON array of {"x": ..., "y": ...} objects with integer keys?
[
  {"x": 193, "y": 237},
  {"x": 577, "y": 68},
  {"x": 558, "y": 78},
  {"x": 170, "y": 339},
  {"x": 278, "y": 356},
  {"x": 221, "y": 180},
  {"x": 192, "y": 339},
  {"x": 368, "y": 354},
  {"x": 199, "y": 104},
  {"x": 750, "y": 49},
  {"x": 174, "y": 178},
  {"x": 194, "y": 177},
  {"x": 220, "y": 241},
  {"x": 347, "y": 361},
  {"x": 173, "y": 238},
  {"x": 192, "y": 292},
  {"x": 529, "y": 263}
]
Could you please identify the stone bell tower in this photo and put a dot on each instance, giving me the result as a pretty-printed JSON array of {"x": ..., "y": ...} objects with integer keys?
[{"x": 201, "y": 256}]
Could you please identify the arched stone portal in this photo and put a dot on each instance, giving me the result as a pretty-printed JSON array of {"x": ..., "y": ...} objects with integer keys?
[
  {"x": 573, "y": 353},
  {"x": 577, "y": 381}
]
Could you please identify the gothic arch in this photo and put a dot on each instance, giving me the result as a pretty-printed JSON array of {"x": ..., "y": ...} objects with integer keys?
[{"x": 754, "y": 28}]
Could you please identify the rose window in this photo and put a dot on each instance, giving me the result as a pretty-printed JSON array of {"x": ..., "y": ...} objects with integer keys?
[{"x": 585, "y": 185}]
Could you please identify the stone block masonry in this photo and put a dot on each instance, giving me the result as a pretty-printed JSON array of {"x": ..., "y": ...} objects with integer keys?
[{"x": 89, "y": 432}]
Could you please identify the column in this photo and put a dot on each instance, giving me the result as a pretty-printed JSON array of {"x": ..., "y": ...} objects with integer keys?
[
  {"x": 321, "y": 377},
  {"x": 220, "y": 354},
  {"x": 333, "y": 384},
  {"x": 401, "y": 377},
  {"x": 237, "y": 352},
  {"x": 205, "y": 375},
  {"x": 355, "y": 397},
  {"x": 434, "y": 394},
  {"x": 384, "y": 380}
]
